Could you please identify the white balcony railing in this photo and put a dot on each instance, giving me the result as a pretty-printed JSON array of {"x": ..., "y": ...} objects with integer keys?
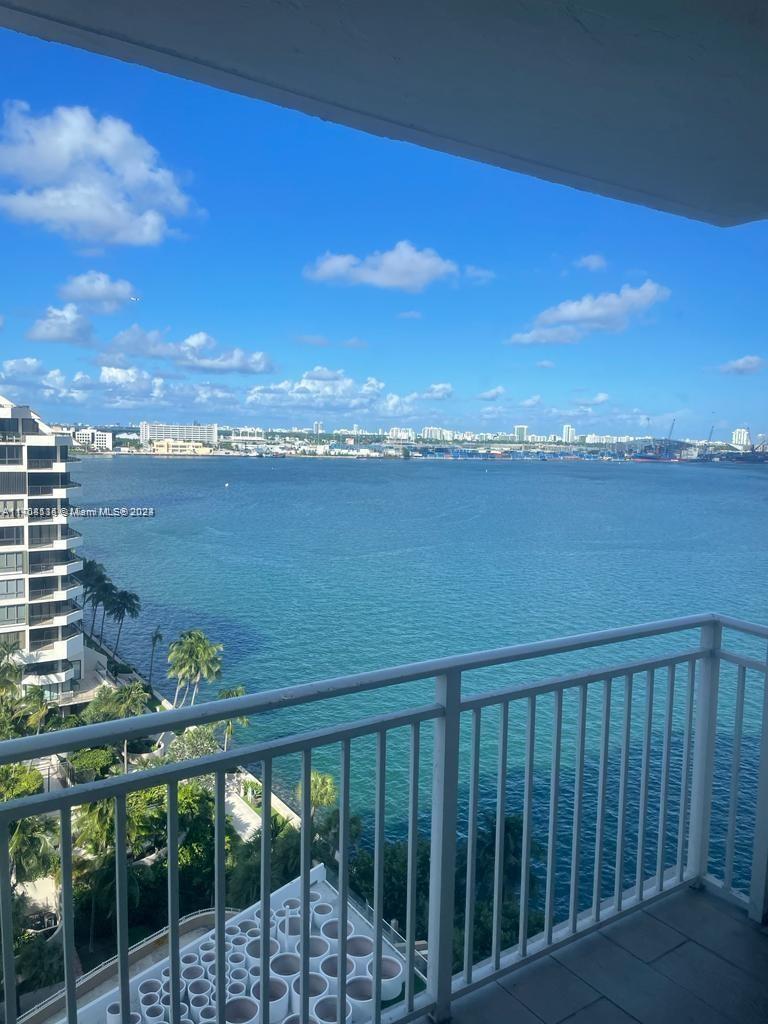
[{"x": 613, "y": 766}]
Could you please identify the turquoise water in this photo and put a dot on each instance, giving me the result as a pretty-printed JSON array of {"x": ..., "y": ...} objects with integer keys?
[{"x": 306, "y": 569}]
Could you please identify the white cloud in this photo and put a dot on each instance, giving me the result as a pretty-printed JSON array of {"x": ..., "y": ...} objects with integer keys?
[
  {"x": 480, "y": 275},
  {"x": 28, "y": 375},
  {"x": 545, "y": 364},
  {"x": 2, "y": 322},
  {"x": 25, "y": 369},
  {"x": 197, "y": 352},
  {"x": 592, "y": 261},
  {"x": 437, "y": 391},
  {"x": 743, "y": 366},
  {"x": 491, "y": 395},
  {"x": 130, "y": 387},
  {"x": 328, "y": 390},
  {"x": 599, "y": 399},
  {"x": 318, "y": 340},
  {"x": 88, "y": 178},
  {"x": 404, "y": 267},
  {"x": 97, "y": 290},
  {"x": 572, "y": 320},
  {"x": 355, "y": 343},
  {"x": 65, "y": 324},
  {"x": 410, "y": 314},
  {"x": 530, "y": 403}
]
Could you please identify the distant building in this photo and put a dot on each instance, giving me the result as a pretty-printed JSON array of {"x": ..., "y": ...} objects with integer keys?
[
  {"x": 740, "y": 437},
  {"x": 169, "y": 447},
  {"x": 521, "y": 433},
  {"x": 318, "y": 427},
  {"x": 40, "y": 593},
  {"x": 569, "y": 434},
  {"x": 401, "y": 434},
  {"x": 97, "y": 440},
  {"x": 203, "y": 433},
  {"x": 437, "y": 434}
]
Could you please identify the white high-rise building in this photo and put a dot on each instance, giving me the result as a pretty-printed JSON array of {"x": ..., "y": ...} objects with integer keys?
[
  {"x": 318, "y": 427},
  {"x": 40, "y": 595},
  {"x": 521, "y": 433},
  {"x": 740, "y": 437},
  {"x": 205, "y": 433},
  {"x": 569, "y": 434},
  {"x": 98, "y": 440}
]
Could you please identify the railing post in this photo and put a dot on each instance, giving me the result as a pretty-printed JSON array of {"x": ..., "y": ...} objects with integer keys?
[
  {"x": 705, "y": 731},
  {"x": 442, "y": 865},
  {"x": 758, "y": 890}
]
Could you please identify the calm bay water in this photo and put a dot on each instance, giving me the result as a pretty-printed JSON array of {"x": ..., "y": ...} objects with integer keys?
[{"x": 306, "y": 569}]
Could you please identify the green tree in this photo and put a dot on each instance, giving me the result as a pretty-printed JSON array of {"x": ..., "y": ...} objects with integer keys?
[
  {"x": 132, "y": 699},
  {"x": 193, "y": 658},
  {"x": 104, "y": 596},
  {"x": 33, "y": 708},
  {"x": 322, "y": 791},
  {"x": 92, "y": 575},
  {"x": 124, "y": 603},
  {"x": 155, "y": 639},
  {"x": 33, "y": 847},
  {"x": 229, "y": 725}
]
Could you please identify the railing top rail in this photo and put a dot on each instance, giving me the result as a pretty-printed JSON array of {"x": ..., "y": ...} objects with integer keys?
[
  {"x": 226, "y": 761},
  {"x": 308, "y": 693},
  {"x": 742, "y": 626}
]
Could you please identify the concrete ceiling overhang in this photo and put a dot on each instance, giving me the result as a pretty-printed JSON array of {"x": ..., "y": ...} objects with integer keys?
[{"x": 658, "y": 102}]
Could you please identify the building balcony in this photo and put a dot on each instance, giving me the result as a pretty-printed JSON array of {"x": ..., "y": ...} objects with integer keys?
[
  {"x": 66, "y": 614},
  {"x": 582, "y": 826},
  {"x": 55, "y": 644},
  {"x": 49, "y": 465},
  {"x": 61, "y": 566}
]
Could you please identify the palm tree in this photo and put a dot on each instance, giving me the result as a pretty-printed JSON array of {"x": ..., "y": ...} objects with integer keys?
[
  {"x": 229, "y": 725},
  {"x": 192, "y": 659},
  {"x": 105, "y": 595},
  {"x": 10, "y": 669},
  {"x": 91, "y": 576},
  {"x": 96, "y": 577},
  {"x": 131, "y": 699},
  {"x": 33, "y": 848},
  {"x": 322, "y": 791},
  {"x": 123, "y": 603},
  {"x": 156, "y": 638},
  {"x": 33, "y": 708}
]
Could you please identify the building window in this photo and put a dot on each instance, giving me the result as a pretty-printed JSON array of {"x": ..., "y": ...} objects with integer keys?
[
  {"x": 10, "y": 454},
  {"x": 78, "y": 670},
  {"x": 13, "y": 483},
  {"x": 11, "y": 508},
  {"x": 12, "y": 561},
  {"x": 12, "y": 614},
  {"x": 11, "y": 588},
  {"x": 10, "y": 535}
]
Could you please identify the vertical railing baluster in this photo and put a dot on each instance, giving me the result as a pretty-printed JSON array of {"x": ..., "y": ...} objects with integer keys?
[
  {"x": 733, "y": 803},
  {"x": 442, "y": 861},
  {"x": 578, "y": 799},
  {"x": 501, "y": 812},
  {"x": 705, "y": 734},
  {"x": 378, "y": 867},
  {"x": 473, "y": 811},
  {"x": 306, "y": 866},
  {"x": 554, "y": 800},
  {"x": 597, "y": 879},
  {"x": 172, "y": 819},
  {"x": 265, "y": 885},
  {"x": 685, "y": 770},
  {"x": 664, "y": 794},
  {"x": 758, "y": 889},
  {"x": 525, "y": 860},
  {"x": 68, "y": 914},
  {"x": 121, "y": 894},
  {"x": 6, "y": 925},
  {"x": 412, "y": 882},
  {"x": 341, "y": 973},
  {"x": 645, "y": 772},
  {"x": 621, "y": 824},
  {"x": 220, "y": 893}
]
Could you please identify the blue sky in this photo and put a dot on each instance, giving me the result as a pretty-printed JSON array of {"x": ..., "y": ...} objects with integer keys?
[{"x": 174, "y": 252}]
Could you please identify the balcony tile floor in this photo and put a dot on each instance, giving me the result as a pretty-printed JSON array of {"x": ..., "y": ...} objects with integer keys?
[{"x": 689, "y": 958}]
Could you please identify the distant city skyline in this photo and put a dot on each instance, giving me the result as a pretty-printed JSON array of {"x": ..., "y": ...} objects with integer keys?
[{"x": 182, "y": 253}]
